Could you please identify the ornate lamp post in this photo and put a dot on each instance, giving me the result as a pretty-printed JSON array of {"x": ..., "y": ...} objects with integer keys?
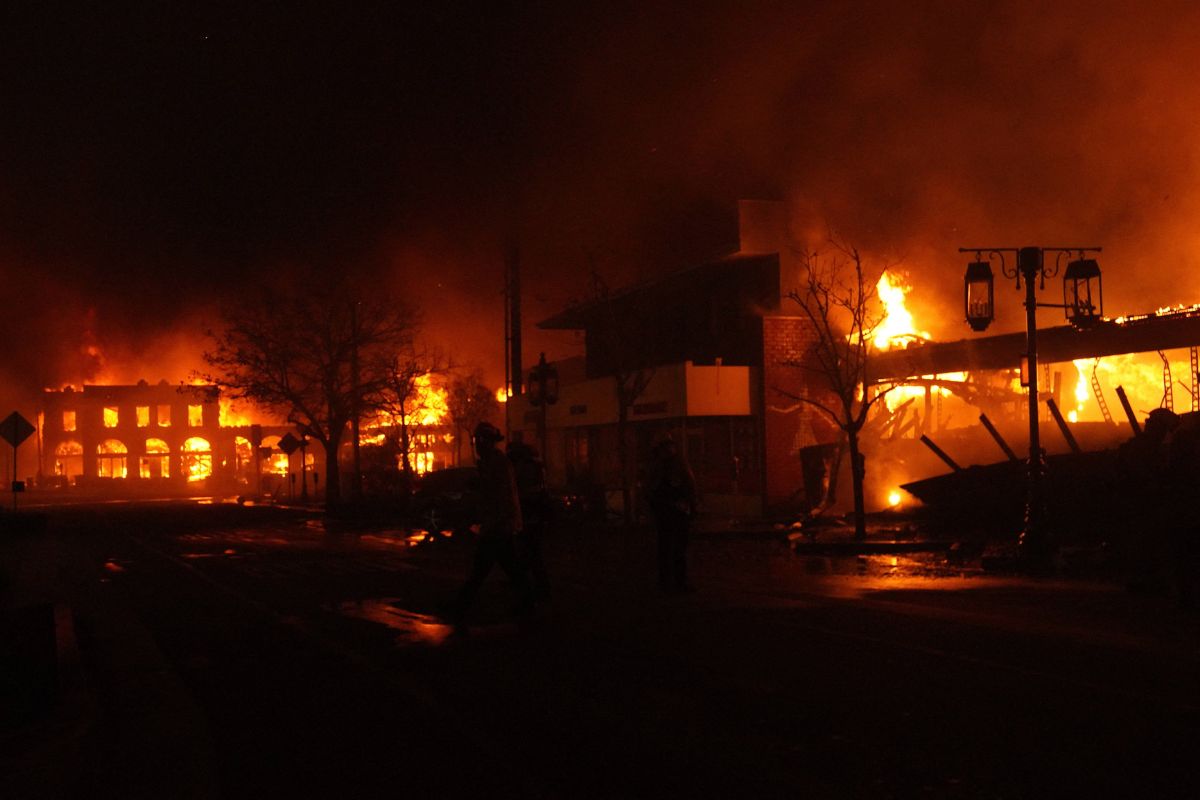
[
  {"x": 1083, "y": 305},
  {"x": 543, "y": 392}
]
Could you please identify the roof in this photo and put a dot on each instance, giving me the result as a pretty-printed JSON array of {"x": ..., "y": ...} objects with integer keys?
[
  {"x": 1145, "y": 333},
  {"x": 578, "y": 316}
]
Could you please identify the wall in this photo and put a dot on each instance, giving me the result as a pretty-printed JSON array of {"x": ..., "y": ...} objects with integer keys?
[{"x": 788, "y": 425}]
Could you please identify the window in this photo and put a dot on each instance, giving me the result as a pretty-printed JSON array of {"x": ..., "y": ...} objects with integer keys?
[
  {"x": 197, "y": 459},
  {"x": 157, "y": 461},
  {"x": 143, "y": 416},
  {"x": 195, "y": 416},
  {"x": 164, "y": 416},
  {"x": 68, "y": 459},
  {"x": 110, "y": 461},
  {"x": 68, "y": 420},
  {"x": 111, "y": 417}
]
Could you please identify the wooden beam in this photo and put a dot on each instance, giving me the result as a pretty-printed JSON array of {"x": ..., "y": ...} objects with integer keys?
[{"x": 1062, "y": 343}]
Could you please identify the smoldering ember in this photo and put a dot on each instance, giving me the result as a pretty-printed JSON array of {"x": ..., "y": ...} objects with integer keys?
[{"x": 602, "y": 400}]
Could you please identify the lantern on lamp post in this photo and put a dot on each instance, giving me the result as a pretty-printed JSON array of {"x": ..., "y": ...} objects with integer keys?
[
  {"x": 543, "y": 392},
  {"x": 979, "y": 295},
  {"x": 1083, "y": 306}
]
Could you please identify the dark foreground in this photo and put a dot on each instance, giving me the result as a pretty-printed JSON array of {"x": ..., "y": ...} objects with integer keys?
[{"x": 251, "y": 653}]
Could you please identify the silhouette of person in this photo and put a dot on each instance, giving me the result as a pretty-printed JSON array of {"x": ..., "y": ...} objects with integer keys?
[
  {"x": 499, "y": 523},
  {"x": 671, "y": 492},
  {"x": 530, "y": 474}
]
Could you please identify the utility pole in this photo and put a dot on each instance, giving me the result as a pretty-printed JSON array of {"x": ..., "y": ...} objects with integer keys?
[
  {"x": 1083, "y": 306},
  {"x": 356, "y": 401},
  {"x": 512, "y": 329}
]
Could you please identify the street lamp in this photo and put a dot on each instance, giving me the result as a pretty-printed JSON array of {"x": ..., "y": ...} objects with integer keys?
[
  {"x": 1083, "y": 307},
  {"x": 979, "y": 296},
  {"x": 543, "y": 392},
  {"x": 1082, "y": 312}
]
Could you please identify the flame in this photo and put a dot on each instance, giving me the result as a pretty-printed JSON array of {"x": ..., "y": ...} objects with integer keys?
[
  {"x": 197, "y": 458},
  {"x": 430, "y": 404},
  {"x": 894, "y": 497},
  {"x": 428, "y": 408},
  {"x": 502, "y": 395},
  {"x": 231, "y": 416},
  {"x": 897, "y": 329},
  {"x": 897, "y": 323}
]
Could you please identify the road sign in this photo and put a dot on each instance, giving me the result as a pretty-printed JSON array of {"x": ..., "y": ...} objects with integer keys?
[
  {"x": 288, "y": 444},
  {"x": 16, "y": 429}
]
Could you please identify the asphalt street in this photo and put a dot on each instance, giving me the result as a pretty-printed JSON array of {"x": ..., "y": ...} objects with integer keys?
[{"x": 253, "y": 652}]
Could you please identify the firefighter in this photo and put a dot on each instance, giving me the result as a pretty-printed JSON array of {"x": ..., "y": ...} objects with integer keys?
[
  {"x": 671, "y": 493},
  {"x": 535, "y": 513},
  {"x": 500, "y": 524}
]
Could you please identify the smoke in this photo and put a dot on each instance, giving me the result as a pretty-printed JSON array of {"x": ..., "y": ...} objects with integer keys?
[
  {"x": 151, "y": 169},
  {"x": 909, "y": 130}
]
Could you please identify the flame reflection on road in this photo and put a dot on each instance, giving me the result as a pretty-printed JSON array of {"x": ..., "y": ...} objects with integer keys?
[{"x": 411, "y": 627}]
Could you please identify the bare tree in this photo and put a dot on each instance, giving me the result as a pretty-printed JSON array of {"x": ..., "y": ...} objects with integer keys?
[
  {"x": 839, "y": 301},
  {"x": 403, "y": 393},
  {"x": 629, "y": 381},
  {"x": 294, "y": 354},
  {"x": 470, "y": 402}
]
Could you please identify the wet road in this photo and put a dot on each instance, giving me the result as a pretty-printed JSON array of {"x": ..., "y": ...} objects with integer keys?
[{"x": 317, "y": 665}]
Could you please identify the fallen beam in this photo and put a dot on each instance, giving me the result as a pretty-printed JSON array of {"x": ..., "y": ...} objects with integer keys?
[
  {"x": 1129, "y": 415},
  {"x": 987, "y": 423},
  {"x": 940, "y": 453},
  {"x": 1062, "y": 426}
]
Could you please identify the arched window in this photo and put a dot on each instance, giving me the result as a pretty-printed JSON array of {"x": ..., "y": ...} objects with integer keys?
[
  {"x": 277, "y": 462},
  {"x": 110, "y": 461},
  {"x": 243, "y": 458},
  {"x": 197, "y": 459},
  {"x": 157, "y": 461},
  {"x": 68, "y": 459}
]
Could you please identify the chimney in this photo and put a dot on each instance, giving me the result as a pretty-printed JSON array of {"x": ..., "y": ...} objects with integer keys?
[{"x": 762, "y": 226}]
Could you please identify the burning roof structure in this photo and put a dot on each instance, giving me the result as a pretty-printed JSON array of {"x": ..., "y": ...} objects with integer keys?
[{"x": 1165, "y": 329}]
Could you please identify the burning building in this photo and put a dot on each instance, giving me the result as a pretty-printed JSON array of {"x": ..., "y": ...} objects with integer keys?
[
  {"x": 187, "y": 439},
  {"x": 155, "y": 438},
  {"x": 717, "y": 347}
]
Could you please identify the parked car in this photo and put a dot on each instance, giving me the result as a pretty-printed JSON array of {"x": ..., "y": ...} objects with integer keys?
[{"x": 446, "y": 500}]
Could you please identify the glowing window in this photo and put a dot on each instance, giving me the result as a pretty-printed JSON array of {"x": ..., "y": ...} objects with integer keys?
[
  {"x": 143, "y": 416},
  {"x": 68, "y": 459},
  {"x": 421, "y": 462},
  {"x": 111, "y": 417},
  {"x": 195, "y": 416},
  {"x": 277, "y": 464},
  {"x": 157, "y": 461},
  {"x": 68, "y": 420},
  {"x": 110, "y": 461},
  {"x": 243, "y": 457},
  {"x": 273, "y": 462},
  {"x": 197, "y": 459},
  {"x": 164, "y": 416}
]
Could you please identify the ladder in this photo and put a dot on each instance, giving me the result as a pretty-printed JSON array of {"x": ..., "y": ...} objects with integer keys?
[
  {"x": 1168, "y": 399},
  {"x": 1098, "y": 393},
  {"x": 1194, "y": 359}
]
